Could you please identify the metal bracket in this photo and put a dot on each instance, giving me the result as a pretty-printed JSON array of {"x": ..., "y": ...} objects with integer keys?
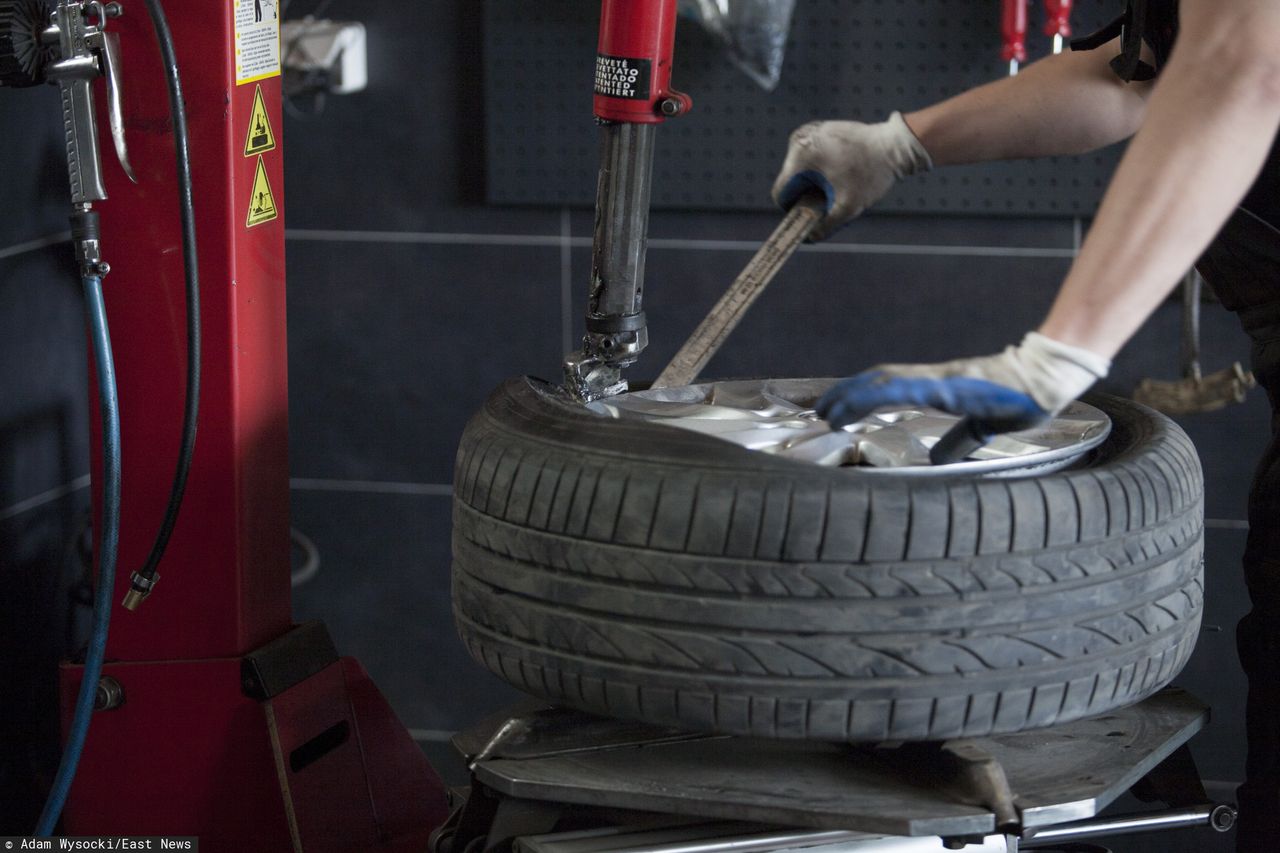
[
  {"x": 1017, "y": 782},
  {"x": 961, "y": 769},
  {"x": 268, "y": 671}
]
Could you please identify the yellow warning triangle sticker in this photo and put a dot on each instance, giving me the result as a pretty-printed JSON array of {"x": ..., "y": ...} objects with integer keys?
[
  {"x": 262, "y": 205},
  {"x": 260, "y": 137}
]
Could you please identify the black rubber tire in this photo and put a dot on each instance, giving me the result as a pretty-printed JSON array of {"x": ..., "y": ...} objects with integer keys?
[{"x": 642, "y": 571}]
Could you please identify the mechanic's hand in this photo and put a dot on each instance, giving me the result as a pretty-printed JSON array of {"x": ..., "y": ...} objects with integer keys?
[
  {"x": 851, "y": 163},
  {"x": 1011, "y": 390}
]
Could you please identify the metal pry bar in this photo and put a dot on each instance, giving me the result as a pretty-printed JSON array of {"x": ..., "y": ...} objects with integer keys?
[{"x": 724, "y": 317}]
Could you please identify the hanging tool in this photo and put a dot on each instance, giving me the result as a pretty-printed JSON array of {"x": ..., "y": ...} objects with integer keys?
[
  {"x": 1194, "y": 392},
  {"x": 633, "y": 95},
  {"x": 724, "y": 317},
  {"x": 1013, "y": 27},
  {"x": 1057, "y": 22}
]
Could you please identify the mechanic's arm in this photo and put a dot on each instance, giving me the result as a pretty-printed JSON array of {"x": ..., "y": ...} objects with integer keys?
[
  {"x": 1209, "y": 124},
  {"x": 1210, "y": 121},
  {"x": 1065, "y": 104}
]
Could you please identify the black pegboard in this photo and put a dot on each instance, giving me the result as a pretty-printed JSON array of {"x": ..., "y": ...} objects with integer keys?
[{"x": 856, "y": 59}]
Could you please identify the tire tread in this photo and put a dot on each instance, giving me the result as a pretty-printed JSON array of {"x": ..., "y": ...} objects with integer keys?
[{"x": 702, "y": 586}]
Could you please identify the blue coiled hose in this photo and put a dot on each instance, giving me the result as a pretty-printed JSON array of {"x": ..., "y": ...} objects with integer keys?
[{"x": 108, "y": 546}]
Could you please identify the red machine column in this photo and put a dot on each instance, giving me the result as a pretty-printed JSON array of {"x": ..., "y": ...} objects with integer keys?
[
  {"x": 224, "y": 580},
  {"x": 235, "y": 725}
]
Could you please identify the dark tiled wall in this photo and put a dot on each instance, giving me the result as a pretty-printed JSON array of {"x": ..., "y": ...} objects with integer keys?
[
  {"x": 860, "y": 59},
  {"x": 409, "y": 300},
  {"x": 43, "y": 456}
]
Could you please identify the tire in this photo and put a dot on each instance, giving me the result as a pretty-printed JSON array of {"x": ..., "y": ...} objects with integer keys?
[{"x": 640, "y": 571}]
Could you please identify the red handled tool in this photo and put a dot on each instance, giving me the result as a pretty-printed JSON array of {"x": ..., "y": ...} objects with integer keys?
[
  {"x": 1013, "y": 27},
  {"x": 1057, "y": 22}
]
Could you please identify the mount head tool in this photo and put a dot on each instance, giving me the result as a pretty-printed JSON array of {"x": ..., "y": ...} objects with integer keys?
[{"x": 632, "y": 97}]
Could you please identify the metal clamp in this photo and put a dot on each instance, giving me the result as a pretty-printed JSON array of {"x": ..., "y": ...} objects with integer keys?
[{"x": 140, "y": 586}]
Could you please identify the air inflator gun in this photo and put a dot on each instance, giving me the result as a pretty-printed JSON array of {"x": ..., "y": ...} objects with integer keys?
[{"x": 69, "y": 45}]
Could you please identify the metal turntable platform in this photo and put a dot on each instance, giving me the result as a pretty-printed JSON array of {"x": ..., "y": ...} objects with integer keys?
[{"x": 1038, "y": 784}]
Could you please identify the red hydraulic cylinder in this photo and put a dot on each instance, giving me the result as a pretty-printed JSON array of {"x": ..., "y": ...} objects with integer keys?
[
  {"x": 1013, "y": 28},
  {"x": 633, "y": 62}
]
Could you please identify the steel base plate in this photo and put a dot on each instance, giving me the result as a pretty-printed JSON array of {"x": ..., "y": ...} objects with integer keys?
[{"x": 1065, "y": 773}]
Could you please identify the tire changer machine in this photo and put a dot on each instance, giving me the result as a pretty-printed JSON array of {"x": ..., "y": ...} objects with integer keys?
[{"x": 214, "y": 715}]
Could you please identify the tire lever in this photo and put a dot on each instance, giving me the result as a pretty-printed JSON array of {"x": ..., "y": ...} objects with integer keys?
[
  {"x": 958, "y": 443},
  {"x": 725, "y": 315},
  {"x": 971, "y": 434}
]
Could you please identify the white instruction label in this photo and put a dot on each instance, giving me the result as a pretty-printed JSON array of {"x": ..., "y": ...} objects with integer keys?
[
  {"x": 257, "y": 39},
  {"x": 620, "y": 77}
]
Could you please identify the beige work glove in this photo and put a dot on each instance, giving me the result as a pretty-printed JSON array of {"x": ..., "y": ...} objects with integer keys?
[
  {"x": 1010, "y": 390},
  {"x": 852, "y": 163}
]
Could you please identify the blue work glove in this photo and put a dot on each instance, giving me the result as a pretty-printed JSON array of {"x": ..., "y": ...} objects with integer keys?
[
  {"x": 851, "y": 163},
  {"x": 1011, "y": 390}
]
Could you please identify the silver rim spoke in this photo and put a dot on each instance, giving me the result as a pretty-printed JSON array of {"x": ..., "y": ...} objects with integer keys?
[{"x": 776, "y": 416}]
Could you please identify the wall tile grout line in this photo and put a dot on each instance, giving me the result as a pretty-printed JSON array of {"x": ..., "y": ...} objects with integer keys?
[
  {"x": 431, "y": 735},
  {"x": 566, "y": 281},
  {"x": 440, "y": 238},
  {"x": 910, "y": 249},
  {"x": 34, "y": 245},
  {"x": 561, "y": 241},
  {"x": 313, "y": 484},
  {"x": 44, "y": 497}
]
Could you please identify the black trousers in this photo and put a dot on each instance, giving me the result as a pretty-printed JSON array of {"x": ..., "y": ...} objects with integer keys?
[{"x": 1243, "y": 267}]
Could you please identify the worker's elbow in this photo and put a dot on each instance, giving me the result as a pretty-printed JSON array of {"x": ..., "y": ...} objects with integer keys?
[
  {"x": 1257, "y": 62},
  {"x": 1265, "y": 78},
  {"x": 1240, "y": 55},
  {"x": 1258, "y": 85}
]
